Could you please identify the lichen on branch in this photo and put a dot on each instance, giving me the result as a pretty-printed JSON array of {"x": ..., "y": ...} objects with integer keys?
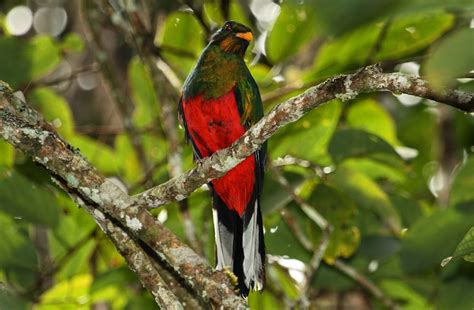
[
  {"x": 344, "y": 87},
  {"x": 27, "y": 131}
]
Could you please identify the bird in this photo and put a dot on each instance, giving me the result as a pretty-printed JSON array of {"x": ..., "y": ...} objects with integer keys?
[{"x": 220, "y": 100}]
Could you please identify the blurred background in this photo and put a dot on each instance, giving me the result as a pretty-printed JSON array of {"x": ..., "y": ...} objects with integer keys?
[{"x": 393, "y": 174}]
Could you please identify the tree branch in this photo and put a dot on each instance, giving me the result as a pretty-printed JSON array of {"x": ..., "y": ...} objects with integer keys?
[
  {"x": 138, "y": 261},
  {"x": 26, "y": 130},
  {"x": 344, "y": 87}
]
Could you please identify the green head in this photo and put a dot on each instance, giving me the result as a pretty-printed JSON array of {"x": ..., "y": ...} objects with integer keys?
[{"x": 232, "y": 38}]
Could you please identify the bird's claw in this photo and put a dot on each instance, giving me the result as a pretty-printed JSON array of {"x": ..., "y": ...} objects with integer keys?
[{"x": 232, "y": 277}]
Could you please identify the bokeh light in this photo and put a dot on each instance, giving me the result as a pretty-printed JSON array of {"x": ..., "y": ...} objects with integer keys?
[
  {"x": 19, "y": 20},
  {"x": 50, "y": 21}
]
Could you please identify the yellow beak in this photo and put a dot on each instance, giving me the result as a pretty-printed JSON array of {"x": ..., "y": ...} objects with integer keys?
[{"x": 245, "y": 35}]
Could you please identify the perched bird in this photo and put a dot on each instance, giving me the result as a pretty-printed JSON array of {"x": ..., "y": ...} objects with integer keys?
[{"x": 220, "y": 101}]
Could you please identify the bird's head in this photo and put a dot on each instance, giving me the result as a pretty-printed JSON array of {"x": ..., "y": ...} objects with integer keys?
[{"x": 232, "y": 38}]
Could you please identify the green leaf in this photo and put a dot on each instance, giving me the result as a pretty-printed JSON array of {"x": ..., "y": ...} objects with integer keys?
[
  {"x": 140, "y": 302},
  {"x": 408, "y": 34},
  {"x": 348, "y": 51},
  {"x": 212, "y": 12},
  {"x": 281, "y": 241},
  {"x": 22, "y": 277},
  {"x": 294, "y": 27},
  {"x": 375, "y": 170},
  {"x": 409, "y": 6},
  {"x": 181, "y": 31},
  {"x": 340, "y": 213},
  {"x": 380, "y": 121},
  {"x": 315, "y": 129},
  {"x": 400, "y": 291},
  {"x": 340, "y": 16},
  {"x": 22, "y": 61},
  {"x": 417, "y": 125},
  {"x": 144, "y": 96},
  {"x": 453, "y": 294},
  {"x": 26, "y": 200},
  {"x": 54, "y": 108},
  {"x": 73, "y": 42},
  {"x": 353, "y": 143},
  {"x": 73, "y": 292},
  {"x": 463, "y": 184},
  {"x": 450, "y": 59},
  {"x": 99, "y": 154},
  {"x": 464, "y": 249},
  {"x": 114, "y": 277},
  {"x": 264, "y": 300},
  {"x": 8, "y": 154},
  {"x": 409, "y": 209},
  {"x": 368, "y": 195},
  {"x": 282, "y": 279},
  {"x": 11, "y": 301},
  {"x": 130, "y": 169},
  {"x": 431, "y": 239},
  {"x": 274, "y": 196},
  {"x": 237, "y": 12},
  {"x": 379, "y": 248},
  {"x": 331, "y": 279},
  {"x": 72, "y": 229},
  {"x": 16, "y": 249}
]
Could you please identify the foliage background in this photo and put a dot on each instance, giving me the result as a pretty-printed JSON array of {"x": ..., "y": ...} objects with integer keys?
[{"x": 393, "y": 174}]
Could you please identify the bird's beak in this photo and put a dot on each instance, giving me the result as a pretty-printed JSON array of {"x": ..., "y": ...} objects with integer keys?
[{"x": 245, "y": 35}]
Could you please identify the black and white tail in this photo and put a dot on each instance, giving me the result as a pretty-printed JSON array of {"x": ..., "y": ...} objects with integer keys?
[{"x": 239, "y": 243}]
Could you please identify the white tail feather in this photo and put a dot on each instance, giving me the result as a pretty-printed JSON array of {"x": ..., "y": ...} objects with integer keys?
[
  {"x": 224, "y": 257},
  {"x": 253, "y": 265}
]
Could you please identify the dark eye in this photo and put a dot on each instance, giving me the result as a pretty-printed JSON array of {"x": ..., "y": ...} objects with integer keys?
[{"x": 228, "y": 27}]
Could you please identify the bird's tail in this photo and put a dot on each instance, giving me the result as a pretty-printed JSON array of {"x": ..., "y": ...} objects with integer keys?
[{"x": 239, "y": 243}]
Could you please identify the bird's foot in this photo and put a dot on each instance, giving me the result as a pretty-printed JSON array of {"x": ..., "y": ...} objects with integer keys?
[{"x": 232, "y": 277}]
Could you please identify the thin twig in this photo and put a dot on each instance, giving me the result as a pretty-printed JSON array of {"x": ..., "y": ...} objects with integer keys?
[
  {"x": 88, "y": 69},
  {"x": 289, "y": 160},
  {"x": 319, "y": 220},
  {"x": 310, "y": 211},
  {"x": 38, "y": 288},
  {"x": 92, "y": 28},
  {"x": 296, "y": 230},
  {"x": 318, "y": 254}
]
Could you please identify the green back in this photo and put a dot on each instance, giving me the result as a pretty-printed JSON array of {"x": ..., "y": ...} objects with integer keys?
[{"x": 216, "y": 74}]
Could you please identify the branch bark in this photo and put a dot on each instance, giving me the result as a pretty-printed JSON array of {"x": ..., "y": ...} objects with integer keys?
[
  {"x": 344, "y": 87},
  {"x": 26, "y": 130}
]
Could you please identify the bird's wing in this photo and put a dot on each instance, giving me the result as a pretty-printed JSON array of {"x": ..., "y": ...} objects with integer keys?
[
  {"x": 250, "y": 107},
  {"x": 183, "y": 122}
]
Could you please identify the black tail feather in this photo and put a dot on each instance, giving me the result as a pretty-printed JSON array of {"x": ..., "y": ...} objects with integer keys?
[{"x": 236, "y": 236}]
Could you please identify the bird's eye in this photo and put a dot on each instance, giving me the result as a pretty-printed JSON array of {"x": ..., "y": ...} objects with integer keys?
[{"x": 228, "y": 27}]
